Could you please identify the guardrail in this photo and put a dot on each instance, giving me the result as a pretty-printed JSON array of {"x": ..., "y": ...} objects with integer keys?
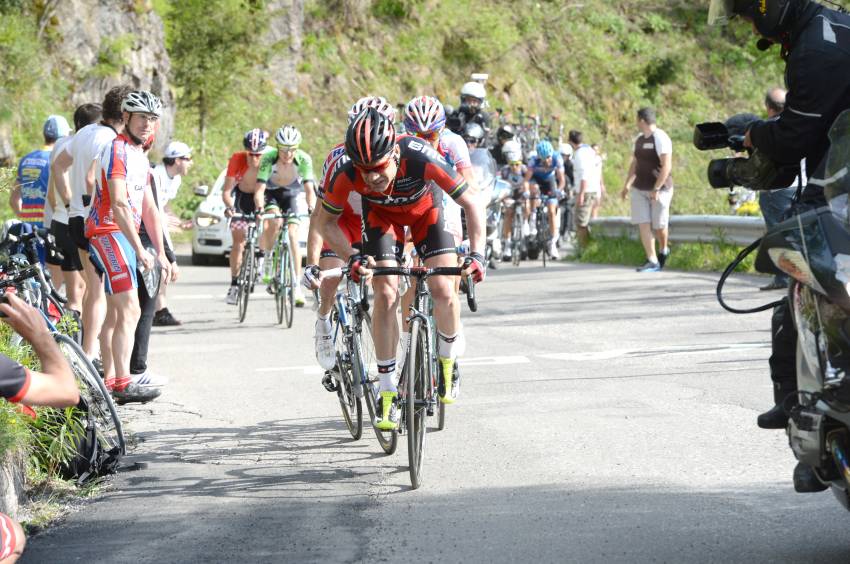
[{"x": 690, "y": 228}]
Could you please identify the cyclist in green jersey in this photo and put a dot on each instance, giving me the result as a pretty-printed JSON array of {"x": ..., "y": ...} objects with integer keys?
[{"x": 285, "y": 171}]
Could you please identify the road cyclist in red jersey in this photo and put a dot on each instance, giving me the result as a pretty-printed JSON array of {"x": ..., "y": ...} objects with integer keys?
[{"x": 401, "y": 181}]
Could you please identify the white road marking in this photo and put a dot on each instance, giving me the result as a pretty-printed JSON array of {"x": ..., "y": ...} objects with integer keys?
[{"x": 671, "y": 350}]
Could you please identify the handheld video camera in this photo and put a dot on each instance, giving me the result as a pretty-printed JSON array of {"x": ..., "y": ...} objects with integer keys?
[{"x": 755, "y": 171}]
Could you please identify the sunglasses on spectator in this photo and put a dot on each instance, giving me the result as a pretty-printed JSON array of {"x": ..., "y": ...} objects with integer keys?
[
  {"x": 189, "y": 158},
  {"x": 379, "y": 167},
  {"x": 428, "y": 135}
]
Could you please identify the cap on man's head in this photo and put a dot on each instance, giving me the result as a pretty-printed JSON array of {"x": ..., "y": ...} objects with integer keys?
[
  {"x": 176, "y": 149},
  {"x": 55, "y": 127}
]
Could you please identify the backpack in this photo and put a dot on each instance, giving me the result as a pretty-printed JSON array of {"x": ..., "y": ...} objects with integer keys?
[{"x": 91, "y": 459}]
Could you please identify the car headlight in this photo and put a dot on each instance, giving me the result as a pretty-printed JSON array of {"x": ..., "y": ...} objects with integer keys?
[{"x": 206, "y": 219}]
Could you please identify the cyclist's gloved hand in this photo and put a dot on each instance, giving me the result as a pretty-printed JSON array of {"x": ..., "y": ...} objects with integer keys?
[
  {"x": 473, "y": 265},
  {"x": 311, "y": 278},
  {"x": 228, "y": 212},
  {"x": 357, "y": 263}
]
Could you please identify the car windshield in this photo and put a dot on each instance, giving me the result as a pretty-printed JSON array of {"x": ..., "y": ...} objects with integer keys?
[{"x": 836, "y": 183}]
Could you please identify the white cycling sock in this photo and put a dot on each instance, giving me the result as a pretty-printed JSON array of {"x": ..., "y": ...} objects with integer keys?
[
  {"x": 323, "y": 324},
  {"x": 446, "y": 345},
  {"x": 386, "y": 373}
]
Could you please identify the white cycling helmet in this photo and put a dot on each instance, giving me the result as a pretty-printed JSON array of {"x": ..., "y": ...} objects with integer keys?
[
  {"x": 474, "y": 90},
  {"x": 513, "y": 155},
  {"x": 512, "y": 146},
  {"x": 288, "y": 136},
  {"x": 142, "y": 101},
  {"x": 424, "y": 113},
  {"x": 566, "y": 149},
  {"x": 378, "y": 102}
]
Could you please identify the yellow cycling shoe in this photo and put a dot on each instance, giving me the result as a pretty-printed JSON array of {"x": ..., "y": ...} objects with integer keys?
[
  {"x": 388, "y": 410},
  {"x": 448, "y": 387}
]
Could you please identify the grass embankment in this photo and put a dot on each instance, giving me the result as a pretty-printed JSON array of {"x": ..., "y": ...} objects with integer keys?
[{"x": 710, "y": 257}]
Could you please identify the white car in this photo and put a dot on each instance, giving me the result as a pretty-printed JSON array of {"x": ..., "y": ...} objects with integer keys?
[{"x": 211, "y": 239}]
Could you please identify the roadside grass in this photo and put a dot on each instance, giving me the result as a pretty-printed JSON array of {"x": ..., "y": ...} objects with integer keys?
[{"x": 697, "y": 257}]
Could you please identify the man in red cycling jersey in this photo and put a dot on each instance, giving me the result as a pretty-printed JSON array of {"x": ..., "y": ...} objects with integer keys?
[
  {"x": 122, "y": 201},
  {"x": 401, "y": 182},
  {"x": 321, "y": 257}
]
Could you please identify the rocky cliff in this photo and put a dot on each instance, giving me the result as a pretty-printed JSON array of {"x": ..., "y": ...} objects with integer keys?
[{"x": 93, "y": 45}]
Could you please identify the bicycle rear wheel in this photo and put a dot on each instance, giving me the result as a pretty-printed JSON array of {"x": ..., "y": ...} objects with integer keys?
[
  {"x": 417, "y": 368},
  {"x": 288, "y": 286},
  {"x": 365, "y": 362},
  {"x": 110, "y": 434},
  {"x": 516, "y": 239},
  {"x": 352, "y": 409}
]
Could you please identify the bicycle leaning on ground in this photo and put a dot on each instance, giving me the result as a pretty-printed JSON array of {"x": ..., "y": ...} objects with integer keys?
[{"x": 418, "y": 389}]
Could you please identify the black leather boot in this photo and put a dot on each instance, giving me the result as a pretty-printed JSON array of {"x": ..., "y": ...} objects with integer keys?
[
  {"x": 777, "y": 417},
  {"x": 805, "y": 479}
]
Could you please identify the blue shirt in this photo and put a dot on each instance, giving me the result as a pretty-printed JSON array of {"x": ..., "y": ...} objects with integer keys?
[
  {"x": 540, "y": 171},
  {"x": 33, "y": 174}
]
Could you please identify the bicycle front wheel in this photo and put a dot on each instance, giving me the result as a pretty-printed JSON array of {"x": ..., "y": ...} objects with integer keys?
[
  {"x": 352, "y": 409},
  {"x": 246, "y": 280},
  {"x": 288, "y": 286},
  {"x": 110, "y": 434},
  {"x": 277, "y": 284},
  {"x": 366, "y": 368},
  {"x": 416, "y": 368}
]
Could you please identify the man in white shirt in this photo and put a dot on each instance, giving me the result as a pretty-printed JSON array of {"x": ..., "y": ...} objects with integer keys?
[
  {"x": 59, "y": 202},
  {"x": 587, "y": 172},
  {"x": 167, "y": 178},
  {"x": 81, "y": 156}
]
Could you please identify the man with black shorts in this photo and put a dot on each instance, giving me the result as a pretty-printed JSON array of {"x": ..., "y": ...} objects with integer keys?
[
  {"x": 242, "y": 194},
  {"x": 401, "y": 181},
  {"x": 60, "y": 201}
]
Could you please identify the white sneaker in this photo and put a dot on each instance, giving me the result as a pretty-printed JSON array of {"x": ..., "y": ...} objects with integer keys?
[
  {"x": 553, "y": 249},
  {"x": 324, "y": 345},
  {"x": 232, "y": 295},
  {"x": 526, "y": 229},
  {"x": 149, "y": 379}
]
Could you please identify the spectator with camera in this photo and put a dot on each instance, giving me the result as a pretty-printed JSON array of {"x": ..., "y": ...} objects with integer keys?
[{"x": 815, "y": 45}]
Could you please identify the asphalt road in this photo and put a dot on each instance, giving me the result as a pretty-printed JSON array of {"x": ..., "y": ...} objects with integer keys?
[{"x": 605, "y": 416}]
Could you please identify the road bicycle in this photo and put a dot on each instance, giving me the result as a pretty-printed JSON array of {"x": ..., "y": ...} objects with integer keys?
[
  {"x": 418, "y": 390},
  {"x": 355, "y": 376},
  {"x": 283, "y": 272},
  {"x": 519, "y": 243},
  {"x": 250, "y": 262}
]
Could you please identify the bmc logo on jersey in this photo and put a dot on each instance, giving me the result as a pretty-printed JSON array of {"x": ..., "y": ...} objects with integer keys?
[{"x": 428, "y": 150}]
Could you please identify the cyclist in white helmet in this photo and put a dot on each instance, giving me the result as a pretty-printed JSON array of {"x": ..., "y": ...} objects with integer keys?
[
  {"x": 321, "y": 257},
  {"x": 514, "y": 174},
  {"x": 285, "y": 171}
]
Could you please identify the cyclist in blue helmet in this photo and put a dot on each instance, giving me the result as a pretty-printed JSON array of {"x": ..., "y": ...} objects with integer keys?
[{"x": 545, "y": 180}]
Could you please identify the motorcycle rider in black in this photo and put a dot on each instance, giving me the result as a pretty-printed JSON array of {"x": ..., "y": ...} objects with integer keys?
[
  {"x": 504, "y": 134},
  {"x": 473, "y": 100},
  {"x": 814, "y": 41}
]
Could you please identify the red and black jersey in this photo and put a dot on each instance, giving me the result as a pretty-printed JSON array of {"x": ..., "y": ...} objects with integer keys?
[
  {"x": 420, "y": 167},
  {"x": 14, "y": 379}
]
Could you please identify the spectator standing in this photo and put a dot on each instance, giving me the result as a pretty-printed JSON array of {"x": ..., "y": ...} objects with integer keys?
[
  {"x": 59, "y": 202},
  {"x": 81, "y": 156},
  {"x": 29, "y": 195},
  {"x": 775, "y": 204},
  {"x": 587, "y": 172},
  {"x": 167, "y": 178},
  {"x": 123, "y": 200},
  {"x": 602, "y": 193},
  {"x": 650, "y": 185}
]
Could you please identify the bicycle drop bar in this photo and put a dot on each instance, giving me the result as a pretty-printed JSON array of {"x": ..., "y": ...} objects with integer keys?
[{"x": 425, "y": 272}]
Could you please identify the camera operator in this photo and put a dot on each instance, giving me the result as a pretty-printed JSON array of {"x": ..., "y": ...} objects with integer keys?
[{"x": 815, "y": 44}]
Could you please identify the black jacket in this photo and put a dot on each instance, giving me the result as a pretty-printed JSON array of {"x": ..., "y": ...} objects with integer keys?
[{"x": 817, "y": 76}]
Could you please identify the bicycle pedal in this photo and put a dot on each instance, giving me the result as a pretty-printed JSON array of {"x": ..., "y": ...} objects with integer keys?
[{"x": 328, "y": 382}]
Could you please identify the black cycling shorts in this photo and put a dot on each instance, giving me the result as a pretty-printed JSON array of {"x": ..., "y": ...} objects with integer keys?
[
  {"x": 77, "y": 229},
  {"x": 243, "y": 202},
  {"x": 71, "y": 258},
  {"x": 284, "y": 200},
  {"x": 383, "y": 228}
]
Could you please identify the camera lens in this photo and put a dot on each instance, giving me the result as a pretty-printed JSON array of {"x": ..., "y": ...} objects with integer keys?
[{"x": 718, "y": 175}]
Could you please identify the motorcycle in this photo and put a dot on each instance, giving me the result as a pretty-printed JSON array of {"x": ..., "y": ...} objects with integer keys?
[
  {"x": 492, "y": 191},
  {"x": 813, "y": 248}
]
